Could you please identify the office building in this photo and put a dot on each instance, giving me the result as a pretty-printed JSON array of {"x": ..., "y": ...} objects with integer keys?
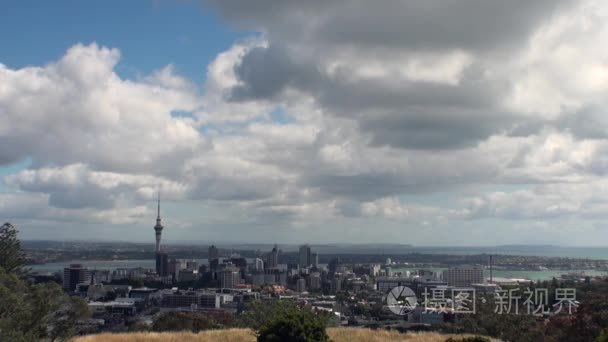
[
  {"x": 101, "y": 276},
  {"x": 162, "y": 264},
  {"x": 272, "y": 260},
  {"x": 374, "y": 270},
  {"x": 188, "y": 275},
  {"x": 301, "y": 285},
  {"x": 385, "y": 284},
  {"x": 258, "y": 264},
  {"x": 239, "y": 262},
  {"x": 213, "y": 253},
  {"x": 179, "y": 299},
  {"x": 175, "y": 265},
  {"x": 463, "y": 276},
  {"x": 427, "y": 275},
  {"x": 74, "y": 275},
  {"x": 305, "y": 256},
  {"x": 315, "y": 281},
  {"x": 336, "y": 284},
  {"x": 230, "y": 277},
  {"x": 191, "y": 265},
  {"x": 315, "y": 260}
]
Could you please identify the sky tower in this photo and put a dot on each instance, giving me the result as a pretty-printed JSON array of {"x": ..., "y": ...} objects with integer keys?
[{"x": 158, "y": 228}]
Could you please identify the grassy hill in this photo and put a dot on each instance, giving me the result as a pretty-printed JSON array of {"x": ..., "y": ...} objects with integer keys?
[{"x": 246, "y": 335}]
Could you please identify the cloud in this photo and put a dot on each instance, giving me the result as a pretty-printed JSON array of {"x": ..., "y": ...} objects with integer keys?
[{"x": 77, "y": 110}]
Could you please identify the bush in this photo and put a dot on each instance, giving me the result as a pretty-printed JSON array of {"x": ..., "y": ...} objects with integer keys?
[
  {"x": 259, "y": 313},
  {"x": 296, "y": 326}
]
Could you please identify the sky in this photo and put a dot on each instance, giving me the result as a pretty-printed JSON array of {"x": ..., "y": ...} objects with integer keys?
[{"x": 469, "y": 122}]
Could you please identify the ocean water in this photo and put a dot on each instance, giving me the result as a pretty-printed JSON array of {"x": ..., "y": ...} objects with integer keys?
[
  {"x": 600, "y": 253},
  {"x": 531, "y": 275}
]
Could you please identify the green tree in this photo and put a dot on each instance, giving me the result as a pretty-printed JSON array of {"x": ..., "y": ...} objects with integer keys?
[
  {"x": 11, "y": 255},
  {"x": 257, "y": 314},
  {"x": 296, "y": 326},
  {"x": 32, "y": 312},
  {"x": 603, "y": 337}
]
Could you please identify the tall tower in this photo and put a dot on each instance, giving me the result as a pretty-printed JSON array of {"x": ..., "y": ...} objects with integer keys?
[{"x": 158, "y": 228}]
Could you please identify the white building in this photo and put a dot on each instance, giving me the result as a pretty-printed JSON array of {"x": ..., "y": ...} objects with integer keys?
[
  {"x": 258, "y": 264},
  {"x": 463, "y": 276},
  {"x": 315, "y": 281},
  {"x": 301, "y": 285}
]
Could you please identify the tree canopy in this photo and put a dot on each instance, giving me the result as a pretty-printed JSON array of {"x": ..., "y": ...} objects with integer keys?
[
  {"x": 11, "y": 254},
  {"x": 32, "y": 312}
]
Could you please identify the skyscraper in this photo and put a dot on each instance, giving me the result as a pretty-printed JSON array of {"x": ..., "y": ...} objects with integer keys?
[
  {"x": 213, "y": 253},
  {"x": 315, "y": 260},
  {"x": 272, "y": 260},
  {"x": 74, "y": 275},
  {"x": 162, "y": 264},
  {"x": 258, "y": 264},
  {"x": 158, "y": 228},
  {"x": 230, "y": 277},
  {"x": 305, "y": 256}
]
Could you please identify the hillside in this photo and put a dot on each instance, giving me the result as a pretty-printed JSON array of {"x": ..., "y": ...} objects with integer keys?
[{"x": 245, "y": 335}]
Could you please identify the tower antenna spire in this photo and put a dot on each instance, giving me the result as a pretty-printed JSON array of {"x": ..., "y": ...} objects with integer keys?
[
  {"x": 158, "y": 205},
  {"x": 158, "y": 228}
]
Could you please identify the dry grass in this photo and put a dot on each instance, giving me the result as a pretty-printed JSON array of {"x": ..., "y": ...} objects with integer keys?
[
  {"x": 246, "y": 335},
  {"x": 225, "y": 335},
  {"x": 367, "y": 335}
]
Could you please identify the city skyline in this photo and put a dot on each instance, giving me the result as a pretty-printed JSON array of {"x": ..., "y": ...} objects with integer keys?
[{"x": 416, "y": 123}]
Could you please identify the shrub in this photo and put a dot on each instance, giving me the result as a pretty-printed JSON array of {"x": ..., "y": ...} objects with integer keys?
[{"x": 296, "y": 326}]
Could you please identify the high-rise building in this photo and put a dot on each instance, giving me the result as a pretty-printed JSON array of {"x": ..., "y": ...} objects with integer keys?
[
  {"x": 336, "y": 284},
  {"x": 272, "y": 260},
  {"x": 258, "y": 264},
  {"x": 301, "y": 285},
  {"x": 305, "y": 256},
  {"x": 188, "y": 275},
  {"x": 315, "y": 260},
  {"x": 315, "y": 281},
  {"x": 175, "y": 265},
  {"x": 374, "y": 270},
  {"x": 162, "y": 264},
  {"x": 463, "y": 275},
  {"x": 158, "y": 228},
  {"x": 239, "y": 262},
  {"x": 213, "y": 253},
  {"x": 230, "y": 277},
  {"x": 74, "y": 275},
  {"x": 192, "y": 265}
]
